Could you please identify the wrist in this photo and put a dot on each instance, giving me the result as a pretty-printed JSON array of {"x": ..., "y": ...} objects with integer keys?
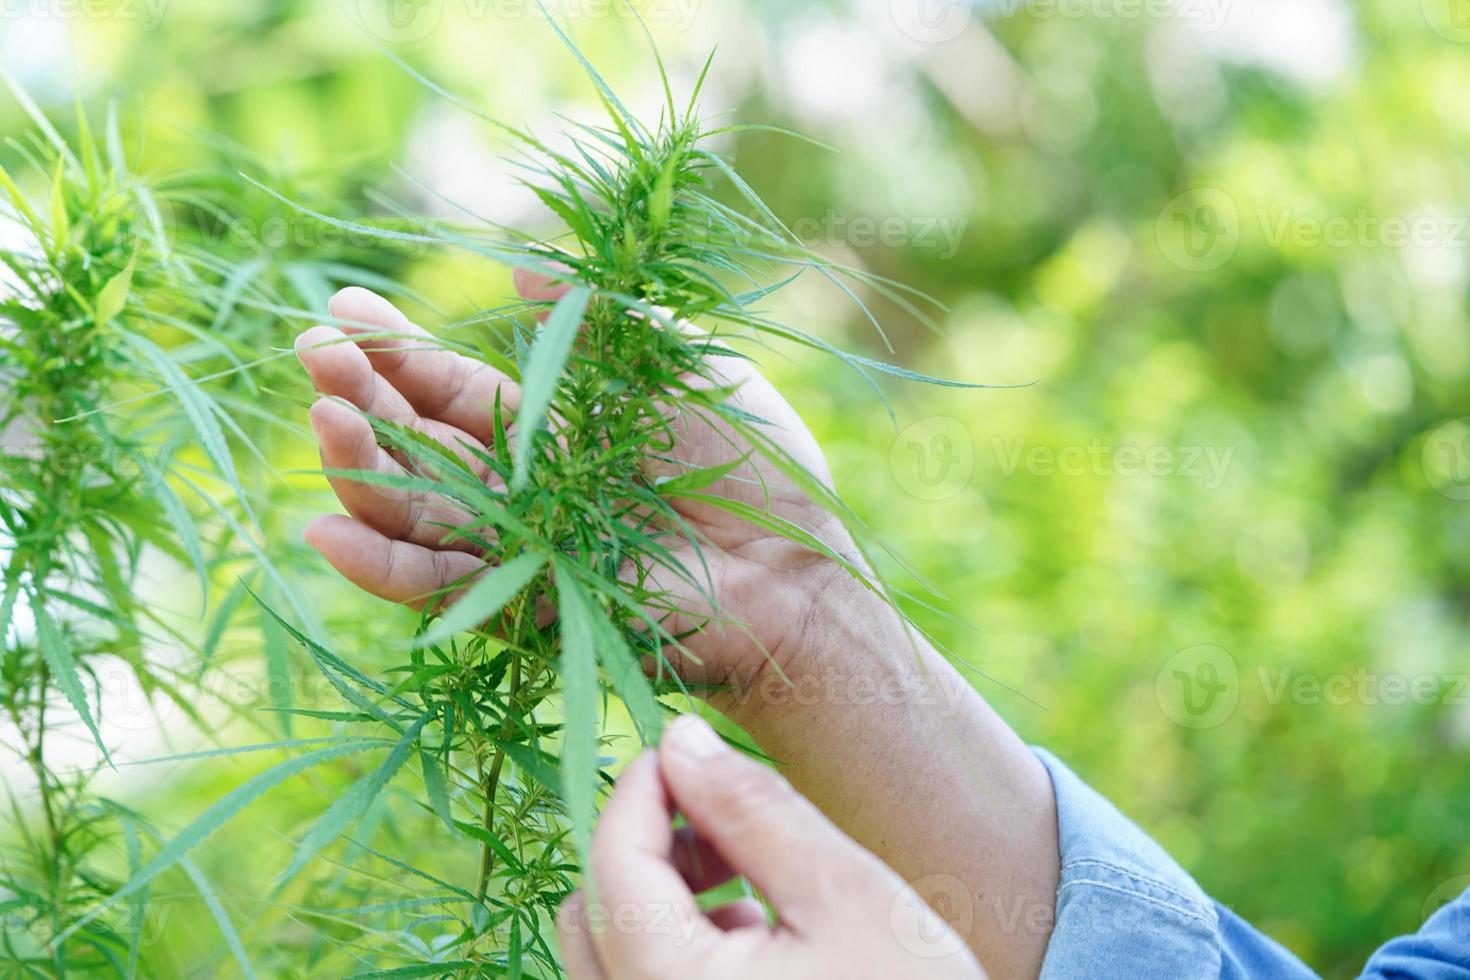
[{"x": 846, "y": 652}]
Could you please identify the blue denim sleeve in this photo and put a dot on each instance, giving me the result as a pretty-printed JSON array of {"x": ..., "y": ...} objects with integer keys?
[
  {"x": 1439, "y": 951},
  {"x": 1126, "y": 910}
]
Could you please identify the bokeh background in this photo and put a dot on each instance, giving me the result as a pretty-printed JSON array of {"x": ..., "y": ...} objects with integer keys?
[{"x": 1215, "y": 553}]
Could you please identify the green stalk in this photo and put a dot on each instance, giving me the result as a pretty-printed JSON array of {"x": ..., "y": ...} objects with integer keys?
[{"x": 492, "y": 782}]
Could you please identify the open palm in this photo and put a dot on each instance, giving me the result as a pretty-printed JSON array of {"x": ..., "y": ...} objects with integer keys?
[{"x": 393, "y": 543}]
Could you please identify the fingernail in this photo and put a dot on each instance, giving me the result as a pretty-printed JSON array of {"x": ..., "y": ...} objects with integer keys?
[{"x": 692, "y": 736}]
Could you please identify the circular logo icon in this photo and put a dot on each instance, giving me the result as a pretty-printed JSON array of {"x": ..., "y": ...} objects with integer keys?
[
  {"x": 1450, "y": 19},
  {"x": 1199, "y": 687},
  {"x": 931, "y": 21},
  {"x": 933, "y": 459},
  {"x": 925, "y": 917},
  {"x": 150, "y": 220},
  {"x": 400, "y": 21},
  {"x": 1199, "y": 230},
  {"x": 126, "y": 704},
  {"x": 1447, "y": 459},
  {"x": 1459, "y": 924}
]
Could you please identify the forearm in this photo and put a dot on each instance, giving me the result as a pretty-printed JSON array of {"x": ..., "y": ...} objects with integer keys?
[{"x": 899, "y": 750}]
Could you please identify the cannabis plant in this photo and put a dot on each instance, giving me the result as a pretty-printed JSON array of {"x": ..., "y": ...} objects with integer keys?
[
  {"x": 119, "y": 298},
  {"x": 96, "y": 307},
  {"x": 595, "y": 568}
]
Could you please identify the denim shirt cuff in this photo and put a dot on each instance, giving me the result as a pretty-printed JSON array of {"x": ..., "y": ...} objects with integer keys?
[{"x": 1125, "y": 909}]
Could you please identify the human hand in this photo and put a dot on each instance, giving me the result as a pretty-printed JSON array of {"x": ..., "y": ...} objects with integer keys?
[
  {"x": 861, "y": 756},
  {"x": 840, "y": 912},
  {"x": 393, "y": 543}
]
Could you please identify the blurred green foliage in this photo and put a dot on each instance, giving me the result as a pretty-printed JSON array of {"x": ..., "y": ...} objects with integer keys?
[{"x": 1231, "y": 256}]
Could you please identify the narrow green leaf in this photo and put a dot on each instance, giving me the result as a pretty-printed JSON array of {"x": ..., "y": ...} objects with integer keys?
[
  {"x": 180, "y": 521},
  {"x": 38, "y": 118},
  {"x": 221, "y": 917},
  {"x": 513, "y": 953},
  {"x": 486, "y": 597},
  {"x": 447, "y": 968},
  {"x": 197, "y": 408},
  {"x": 543, "y": 369},
  {"x": 536, "y": 764},
  {"x": 580, "y": 702},
  {"x": 699, "y": 479},
  {"x": 221, "y": 622},
  {"x": 699, "y": 82},
  {"x": 114, "y": 295},
  {"x": 215, "y": 816},
  {"x": 87, "y": 144},
  {"x": 267, "y": 566},
  {"x": 138, "y": 904},
  {"x": 334, "y": 669},
  {"x": 629, "y": 681},
  {"x": 234, "y": 287},
  {"x": 7, "y": 606},
  {"x": 351, "y": 805},
  {"x": 277, "y": 669},
  {"x": 792, "y": 532},
  {"x": 257, "y": 747},
  {"x": 622, "y": 115},
  {"x": 908, "y": 375},
  {"x": 495, "y": 844},
  {"x": 573, "y": 218},
  {"x": 436, "y": 787},
  {"x": 65, "y": 673},
  {"x": 60, "y": 224},
  {"x": 623, "y": 670},
  {"x": 19, "y": 201},
  {"x": 661, "y": 201},
  {"x": 113, "y": 137},
  {"x": 420, "y": 447}
]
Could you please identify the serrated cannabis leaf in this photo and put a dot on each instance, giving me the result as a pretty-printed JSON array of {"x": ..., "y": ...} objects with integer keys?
[
  {"x": 353, "y": 804},
  {"x": 547, "y": 359},
  {"x": 485, "y": 597},
  {"x": 65, "y": 672},
  {"x": 578, "y": 664},
  {"x": 215, "y": 816}
]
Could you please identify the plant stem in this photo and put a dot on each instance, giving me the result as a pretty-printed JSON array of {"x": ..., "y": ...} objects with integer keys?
[{"x": 492, "y": 782}]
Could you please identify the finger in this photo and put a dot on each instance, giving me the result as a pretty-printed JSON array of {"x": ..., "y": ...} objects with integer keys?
[
  {"x": 744, "y": 913},
  {"x": 348, "y": 443},
  {"x": 342, "y": 370},
  {"x": 765, "y": 829},
  {"x": 578, "y": 956},
  {"x": 657, "y": 928},
  {"x": 698, "y": 862},
  {"x": 440, "y": 384},
  {"x": 389, "y": 569},
  {"x": 539, "y": 286}
]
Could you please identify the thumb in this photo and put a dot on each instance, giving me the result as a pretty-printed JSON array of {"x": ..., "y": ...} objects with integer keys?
[{"x": 765, "y": 830}]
